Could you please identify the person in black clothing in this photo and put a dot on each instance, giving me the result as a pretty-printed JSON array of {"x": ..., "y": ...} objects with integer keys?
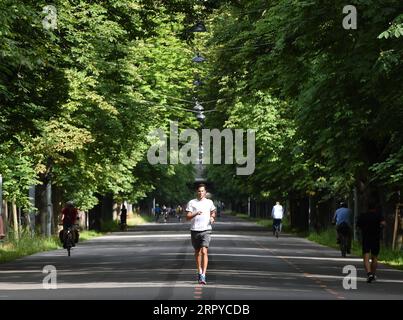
[
  {"x": 123, "y": 217},
  {"x": 371, "y": 223}
]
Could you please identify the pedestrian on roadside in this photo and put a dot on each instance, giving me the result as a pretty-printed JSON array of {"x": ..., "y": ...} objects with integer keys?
[
  {"x": 157, "y": 212},
  {"x": 123, "y": 218},
  {"x": 277, "y": 214},
  {"x": 371, "y": 224},
  {"x": 202, "y": 213}
]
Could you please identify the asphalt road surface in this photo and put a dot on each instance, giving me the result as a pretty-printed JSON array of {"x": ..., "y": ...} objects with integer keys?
[{"x": 156, "y": 262}]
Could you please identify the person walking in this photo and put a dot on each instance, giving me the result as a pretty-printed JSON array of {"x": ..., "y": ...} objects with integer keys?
[
  {"x": 123, "y": 218},
  {"x": 202, "y": 213},
  {"x": 157, "y": 212},
  {"x": 371, "y": 224},
  {"x": 277, "y": 214}
]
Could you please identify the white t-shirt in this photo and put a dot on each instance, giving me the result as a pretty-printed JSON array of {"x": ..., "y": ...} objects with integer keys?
[
  {"x": 200, "y": 222},
  {"x": 277, "y": 212}
]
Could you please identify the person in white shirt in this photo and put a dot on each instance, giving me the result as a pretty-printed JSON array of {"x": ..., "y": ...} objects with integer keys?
[
  {"x": 277, "y": 214},
  {"x": 202, "y": 213}
]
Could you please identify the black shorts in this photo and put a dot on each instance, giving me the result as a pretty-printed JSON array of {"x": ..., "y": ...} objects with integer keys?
[{"x": 371, "y": 245}]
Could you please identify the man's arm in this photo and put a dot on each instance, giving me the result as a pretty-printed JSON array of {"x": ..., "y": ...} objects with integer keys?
[
  {"x": 190, "y": 215},
  {"x": 334, "y": 218}
]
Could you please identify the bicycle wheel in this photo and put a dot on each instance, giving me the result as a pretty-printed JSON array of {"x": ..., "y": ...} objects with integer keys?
[
  {"x": 343, "y": 245},
  {"x": 69, "y": 242}
]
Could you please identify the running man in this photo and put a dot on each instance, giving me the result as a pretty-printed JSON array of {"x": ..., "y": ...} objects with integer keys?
[
  {"x": 371, "y": 224},
  {"x": 201, "y": 212}
]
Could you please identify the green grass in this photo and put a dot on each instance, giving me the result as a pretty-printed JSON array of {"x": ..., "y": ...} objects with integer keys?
[
  {"x": 328, "y": 237},
  {"x": 26, "y": 245},
  {"x": 139, "y": 219},
  {"x": 386, "y": 256},
  {"x": 13, "y": 249}
]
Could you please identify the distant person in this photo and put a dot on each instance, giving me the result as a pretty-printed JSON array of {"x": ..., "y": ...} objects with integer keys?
[
  {"x": 157, "y": 212},
  {"x": 123, "y": 217},
  {"x": 165, "y": 213},
  {"x": 201, "y": 212},
  {"x": 179, "y": 211},
  {"x": 343, "y": 220},
  {"x": 277, "y": 214},
  {"x": 371, "y": 224},
  {"x": 69, "y": 216}
]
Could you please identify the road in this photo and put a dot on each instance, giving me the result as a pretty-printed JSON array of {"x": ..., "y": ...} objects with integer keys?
[{"x": 156, "y": 262}]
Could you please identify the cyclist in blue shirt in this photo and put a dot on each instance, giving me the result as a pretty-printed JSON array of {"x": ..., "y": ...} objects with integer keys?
[{"x": 343, "y": 220}]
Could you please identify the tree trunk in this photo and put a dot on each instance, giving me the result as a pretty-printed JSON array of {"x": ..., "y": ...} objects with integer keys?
[
  {"x": 57, "y": 204},
  {"x": 40, "y": 201},
  {"x": 15, "y": 221},
  {"x": 5, "y": 217}
]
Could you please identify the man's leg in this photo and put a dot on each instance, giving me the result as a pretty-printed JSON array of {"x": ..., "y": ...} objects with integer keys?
[
  {"x": 374, "y": 264},
  {"x": 275, "y": 224},
  {"x": 367, "y": 265},
  {"x": 204, "y": 254},
  {"x": 204, "y": 263},
  {"x": 198, "y": 256}
]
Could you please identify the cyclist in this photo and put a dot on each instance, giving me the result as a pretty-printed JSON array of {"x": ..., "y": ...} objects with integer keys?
[
  {"x": 342, "y": 219},
  {"x": 277, "y": 214},
  {"x": 179, "y": 211},
  {"x": 69, "y": 217}
]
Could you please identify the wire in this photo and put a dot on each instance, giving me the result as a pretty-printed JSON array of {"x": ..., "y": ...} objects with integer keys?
[
  {"x": 192, "y": 102},
  {"x": 175, "y": 107}
]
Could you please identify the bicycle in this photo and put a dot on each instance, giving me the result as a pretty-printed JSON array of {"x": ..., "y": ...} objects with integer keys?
[
  {"x": 343, "y": 232},
  {"x": 343, "y": 245},
  {"x": 68, "y": 239}
]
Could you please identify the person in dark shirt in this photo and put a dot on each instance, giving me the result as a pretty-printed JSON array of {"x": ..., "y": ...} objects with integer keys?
[
  {"x": 123, "y": 218},
  {"x": 371, "y": 223},
  {"x": 69, "y": 217}
]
